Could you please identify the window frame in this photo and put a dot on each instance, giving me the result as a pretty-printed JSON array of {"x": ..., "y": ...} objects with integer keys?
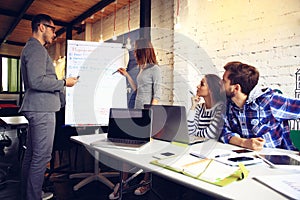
[{"x": 20, "y": 88}]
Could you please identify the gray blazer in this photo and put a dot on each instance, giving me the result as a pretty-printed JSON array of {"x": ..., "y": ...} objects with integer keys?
[{"x": 40, "y": 81}]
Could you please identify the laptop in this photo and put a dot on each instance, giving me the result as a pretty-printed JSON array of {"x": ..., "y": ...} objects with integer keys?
[
  {"x": 128, "y": 129},
  {"x": 170, "y": 124}
]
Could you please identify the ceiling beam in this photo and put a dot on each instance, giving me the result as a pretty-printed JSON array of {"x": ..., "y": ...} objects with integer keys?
[
  {"x": 15, "y": 43},
  {"x": 145, "y": 18},
  {"x": 22, "y": 15},
  {"x": 17, "y": 20},
  {"x": 145, "y": 13},
  {"x": 9, "y": 56},
  {"x": 56, "y": 22},
  {"x": 97, "y": 7},
  {"x": 11, "y": 13}
]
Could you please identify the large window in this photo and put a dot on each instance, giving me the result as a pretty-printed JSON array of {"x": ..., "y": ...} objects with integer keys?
[{"x": 10, "y": 75}]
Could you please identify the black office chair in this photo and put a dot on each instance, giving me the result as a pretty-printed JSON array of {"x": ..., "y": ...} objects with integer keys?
[
  {"x": 5, "y": 141},
  {"x": 5, "y": 111},
  {"x": 8, "y": 111}
]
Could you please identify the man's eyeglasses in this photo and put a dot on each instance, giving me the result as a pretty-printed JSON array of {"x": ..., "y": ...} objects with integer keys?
[{"x": 49, "y": 26}]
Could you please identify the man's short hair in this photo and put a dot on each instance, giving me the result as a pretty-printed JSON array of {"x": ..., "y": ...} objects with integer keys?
[
  {"x": 243, "y": 74},
  {"x": 40, "y": 19}
]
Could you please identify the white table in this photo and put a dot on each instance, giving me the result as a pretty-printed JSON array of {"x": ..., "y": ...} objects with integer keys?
[
  {"x": 244, "y": 189},
  {"x": 14, "y": 121}
]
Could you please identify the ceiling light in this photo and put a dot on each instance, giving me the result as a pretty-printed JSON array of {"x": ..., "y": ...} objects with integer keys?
[
  {"x": 177, "y": 23},
  {"x": 128, "y": 45},
  {"x": 101, "y": 39}
]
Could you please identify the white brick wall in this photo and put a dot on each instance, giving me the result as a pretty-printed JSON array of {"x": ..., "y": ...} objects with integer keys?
[
  {"x": 263, "y": 33},
  {"x": 121, "y": 22},
  {"x": 162, "y": 38}
]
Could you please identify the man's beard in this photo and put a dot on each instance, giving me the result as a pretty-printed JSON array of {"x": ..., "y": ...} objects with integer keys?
[{"x": 229, "y": 94}]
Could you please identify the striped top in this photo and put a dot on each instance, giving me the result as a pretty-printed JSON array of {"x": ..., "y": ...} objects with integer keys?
[{"x": 205, "y": 122}]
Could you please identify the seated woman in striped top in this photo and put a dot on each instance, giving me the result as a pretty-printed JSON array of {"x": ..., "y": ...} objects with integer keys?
[{"x": 205, "y": 119}]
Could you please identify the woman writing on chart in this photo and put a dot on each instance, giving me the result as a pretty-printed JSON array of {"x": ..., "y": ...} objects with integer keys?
[
  {"x": 148, "y": 91},
  {"x": 206, "y": 119},
  {"x": 149, "y": 76}
]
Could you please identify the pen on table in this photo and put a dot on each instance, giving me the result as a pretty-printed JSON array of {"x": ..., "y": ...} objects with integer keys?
[
  {"x": 222, "y": 155},
  {"x": 265, "y": 160},
  {"x": 114, "y": 72},
  {"x": 196, "y": 162},
  {"x": 198, "y": 155}
]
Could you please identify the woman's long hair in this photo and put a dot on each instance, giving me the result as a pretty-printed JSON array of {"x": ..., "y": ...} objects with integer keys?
[
  {"x": 144, "y": 52},
  {"x": 216, "y": 87}
]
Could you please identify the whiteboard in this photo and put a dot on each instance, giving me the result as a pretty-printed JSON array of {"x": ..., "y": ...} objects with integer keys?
[{"x": 89, "y": 101}]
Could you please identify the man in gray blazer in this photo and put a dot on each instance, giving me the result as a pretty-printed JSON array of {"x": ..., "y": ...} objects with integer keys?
[{"x": 41, "y": 101}]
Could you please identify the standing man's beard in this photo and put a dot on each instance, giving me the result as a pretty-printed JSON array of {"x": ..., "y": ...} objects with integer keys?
[{"x": 229, "y": 94}]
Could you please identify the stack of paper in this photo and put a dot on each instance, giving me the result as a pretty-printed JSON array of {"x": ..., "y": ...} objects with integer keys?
[{"x": 287, "y": 184}]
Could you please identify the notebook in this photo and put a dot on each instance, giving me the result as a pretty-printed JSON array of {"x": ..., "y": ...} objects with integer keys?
[
  {"x": 170, "y": 124},
  {"x": 128, "y": 129}
]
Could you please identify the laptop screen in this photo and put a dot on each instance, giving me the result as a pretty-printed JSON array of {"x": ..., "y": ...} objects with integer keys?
[
  {"x": 169, "y": 123},
  {"x": 132, "y": 124}
]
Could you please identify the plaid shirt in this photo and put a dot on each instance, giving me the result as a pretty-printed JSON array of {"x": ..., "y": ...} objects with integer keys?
[{"x": 265, "y": 116}]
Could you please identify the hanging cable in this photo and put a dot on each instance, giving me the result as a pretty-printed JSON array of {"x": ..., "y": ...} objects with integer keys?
[
  {"x": 177, "y": 22},
  {"x": 101, "y": 35},
  {"x": 115, "y": 17},
  {"x": 128, "y": 45}
]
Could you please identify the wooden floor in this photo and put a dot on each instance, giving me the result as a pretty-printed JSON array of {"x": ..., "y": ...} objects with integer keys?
[{"x": 62, "y": 186}]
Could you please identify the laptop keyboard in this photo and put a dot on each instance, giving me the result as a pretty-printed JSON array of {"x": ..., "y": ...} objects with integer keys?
[{"x": 126, "y": 141}]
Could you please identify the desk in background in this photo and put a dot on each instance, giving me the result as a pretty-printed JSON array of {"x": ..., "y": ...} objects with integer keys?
[
  {"x": 19, "y": 123},
  {"x": 7, "y": 110},
  {"x": 244, "y": 189},
  {"x": 8, "y": 101}
]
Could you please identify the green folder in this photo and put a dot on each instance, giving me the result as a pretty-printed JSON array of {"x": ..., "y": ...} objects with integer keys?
[{"x": 207, "y": 170}]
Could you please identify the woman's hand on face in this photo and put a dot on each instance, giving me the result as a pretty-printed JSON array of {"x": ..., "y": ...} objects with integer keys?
[{"x": 195, "y": 101}]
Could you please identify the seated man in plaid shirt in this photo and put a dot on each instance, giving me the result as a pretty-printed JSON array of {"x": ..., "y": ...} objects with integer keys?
[{"x": 255, "y": 118}]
